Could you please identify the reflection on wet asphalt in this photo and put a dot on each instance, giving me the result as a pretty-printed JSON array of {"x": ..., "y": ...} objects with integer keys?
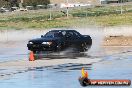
[
  {"x": 63, "y": 76},
  {"x": 70, "y": 55},
  {"x": 66, "y": 67}
]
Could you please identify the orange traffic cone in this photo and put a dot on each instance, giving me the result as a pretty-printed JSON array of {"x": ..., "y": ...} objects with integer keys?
[
  {"x": 86, "y": 74},
  {"x": 31, "y": 56}
]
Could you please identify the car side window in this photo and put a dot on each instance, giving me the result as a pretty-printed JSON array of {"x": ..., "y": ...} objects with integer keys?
[
  {"x": 64, "y": 33},
  {"x": 69, "y": 34},
  {"x": 77, "y": 34},
  {"x": 60, "y": 34}
]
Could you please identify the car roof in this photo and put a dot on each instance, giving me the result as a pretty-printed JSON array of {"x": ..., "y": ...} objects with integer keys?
[{"x": 61, "y": 30}]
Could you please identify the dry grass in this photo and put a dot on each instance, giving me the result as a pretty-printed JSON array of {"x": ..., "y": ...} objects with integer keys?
[{"x": 102, "y": 16}]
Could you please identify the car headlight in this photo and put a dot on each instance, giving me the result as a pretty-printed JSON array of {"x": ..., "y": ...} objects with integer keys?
[
  {"x": 44, "y": 42},
  {"x": 30, "y": 42},
  {"x": 47, "y": 43}
]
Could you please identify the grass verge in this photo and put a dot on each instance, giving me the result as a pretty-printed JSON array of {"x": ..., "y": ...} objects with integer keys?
[{"x": 101, "y": 16}]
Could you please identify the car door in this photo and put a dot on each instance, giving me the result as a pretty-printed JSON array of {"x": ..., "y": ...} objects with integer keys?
[
  {"x": 77, "y": 39},
  {"x": 71, "y": 39}
]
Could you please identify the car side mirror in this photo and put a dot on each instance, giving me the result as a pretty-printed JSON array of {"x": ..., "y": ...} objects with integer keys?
[{"x": 42, "y": 36}]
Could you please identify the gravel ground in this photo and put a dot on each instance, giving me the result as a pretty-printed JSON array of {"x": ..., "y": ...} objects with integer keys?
[{"x": 118, "y": 41}]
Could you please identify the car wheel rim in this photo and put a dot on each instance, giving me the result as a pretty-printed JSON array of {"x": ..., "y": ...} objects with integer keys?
[{"x": 85, "y": 47}]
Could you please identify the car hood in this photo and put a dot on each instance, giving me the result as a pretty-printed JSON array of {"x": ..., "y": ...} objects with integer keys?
[{"x": 40, "y": 40}]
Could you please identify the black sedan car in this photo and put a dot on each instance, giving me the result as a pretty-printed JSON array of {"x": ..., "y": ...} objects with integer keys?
[{"x": 59, "y": 40}]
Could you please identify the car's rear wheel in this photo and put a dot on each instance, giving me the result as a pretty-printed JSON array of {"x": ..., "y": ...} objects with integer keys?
[{"x": 85, "y": 47}]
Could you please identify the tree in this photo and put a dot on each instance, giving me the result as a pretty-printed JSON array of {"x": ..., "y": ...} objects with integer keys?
[
  {"x": 122, "y": 1},
  {"x": 36, "y": 2},
  {"x": 12, "y": 2}
]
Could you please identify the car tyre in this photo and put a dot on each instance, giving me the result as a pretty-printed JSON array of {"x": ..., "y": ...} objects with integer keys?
[
  {"x": 59, "y": 47},
  {"x": 85, "y": 47},
  {"x": 34, "y": 52}
]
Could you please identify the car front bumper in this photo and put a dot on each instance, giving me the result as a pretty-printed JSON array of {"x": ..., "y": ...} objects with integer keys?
[{"x": 41, "y": 47}]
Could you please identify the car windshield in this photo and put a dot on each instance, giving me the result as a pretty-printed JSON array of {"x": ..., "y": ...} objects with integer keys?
[{"x": 53, "y": 34}]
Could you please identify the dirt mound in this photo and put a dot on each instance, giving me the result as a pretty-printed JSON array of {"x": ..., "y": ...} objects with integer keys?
[{"x": 118, "y": 41}]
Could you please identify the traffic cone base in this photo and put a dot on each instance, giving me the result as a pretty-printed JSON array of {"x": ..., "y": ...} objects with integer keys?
[{"x": 31, "y": 56}]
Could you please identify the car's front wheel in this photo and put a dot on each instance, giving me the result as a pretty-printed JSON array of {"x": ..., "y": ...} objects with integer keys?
[
  {"x": 59, "y": 47},
  {"x": 34, "y": 52}
]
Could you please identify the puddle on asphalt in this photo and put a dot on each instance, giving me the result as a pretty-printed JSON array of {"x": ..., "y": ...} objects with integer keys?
[
  {"x": 46, "y": 77},
  {"x": 66, "y": 75}
]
